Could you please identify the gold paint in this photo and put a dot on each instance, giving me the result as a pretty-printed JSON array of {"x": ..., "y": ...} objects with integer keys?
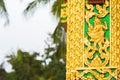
[
  {"x": 98, "y": 76},
  {"x": 76, "y": 54},
  {"x": 74, "y": 37},
  {"x": 102, "y": 10},
  {"x": 96, "y": 33}
]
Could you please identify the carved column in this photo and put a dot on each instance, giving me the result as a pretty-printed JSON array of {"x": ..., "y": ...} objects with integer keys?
[{"x": 93, "y": 40}]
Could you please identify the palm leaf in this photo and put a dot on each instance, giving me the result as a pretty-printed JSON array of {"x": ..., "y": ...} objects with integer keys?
[
  {"x": 2, "y": 6},
  {"x": 31, "y": 6},
  {"x": 56, "y": 8},
  {"x": 3, "y": 10},
  {"x": 59, "y": 35},
  {"x": 59, "y": 38}
]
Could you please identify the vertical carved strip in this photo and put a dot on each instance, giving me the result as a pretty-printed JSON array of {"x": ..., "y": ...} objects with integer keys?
[
  {"x": 113, "y": 32},
  {"x": 74, "y": 37},
  {"x": 118, "y": 33},
  {"x": 118, "y": 38}
]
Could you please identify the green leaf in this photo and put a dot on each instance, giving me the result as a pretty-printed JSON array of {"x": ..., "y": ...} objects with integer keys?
[
  {"x": 2, "y": 6},
  {"x": 3, "y": 11},
  {"x": 32, "y": 6},
  {"x": 57, "y": 7}
]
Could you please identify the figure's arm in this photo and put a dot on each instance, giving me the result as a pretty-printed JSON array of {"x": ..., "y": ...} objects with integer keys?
[{"x": 105, "y": 27}]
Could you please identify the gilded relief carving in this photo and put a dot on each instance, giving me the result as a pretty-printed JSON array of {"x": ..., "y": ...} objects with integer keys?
[
  {"x": 96, "y": 37},
  {"x": 93, "y": 39}
]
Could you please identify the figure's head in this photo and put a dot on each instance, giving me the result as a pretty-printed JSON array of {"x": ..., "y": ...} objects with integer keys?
[
  {"x": 98, "y": 7},
  {"x": 97, "y": 21}
]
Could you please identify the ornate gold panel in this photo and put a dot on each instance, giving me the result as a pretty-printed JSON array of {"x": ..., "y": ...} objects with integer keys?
[
  {"x": 96, "y": 52},
  {"x": 81, "y": 64}
]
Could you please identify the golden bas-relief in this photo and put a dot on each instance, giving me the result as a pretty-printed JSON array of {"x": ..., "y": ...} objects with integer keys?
[
  {"x": 97, "y": 37},
  {"x": 93, "y": 39}
]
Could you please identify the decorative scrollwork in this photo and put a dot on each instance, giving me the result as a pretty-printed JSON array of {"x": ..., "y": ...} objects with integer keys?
[
  {"x": 91, "y": 55},
  {"x": 98, "y": 74},
  {"x": 96, "y": 36}
]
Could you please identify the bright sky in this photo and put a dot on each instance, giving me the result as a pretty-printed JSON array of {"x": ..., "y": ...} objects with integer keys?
[{"x": 26, "y": 34}]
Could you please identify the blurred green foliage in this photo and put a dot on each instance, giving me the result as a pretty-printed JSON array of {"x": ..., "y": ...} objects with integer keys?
[{"x": 26, "y": 66}]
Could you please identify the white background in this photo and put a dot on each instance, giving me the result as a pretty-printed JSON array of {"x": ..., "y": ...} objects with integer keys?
[{"x": 28, "y": 34}]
